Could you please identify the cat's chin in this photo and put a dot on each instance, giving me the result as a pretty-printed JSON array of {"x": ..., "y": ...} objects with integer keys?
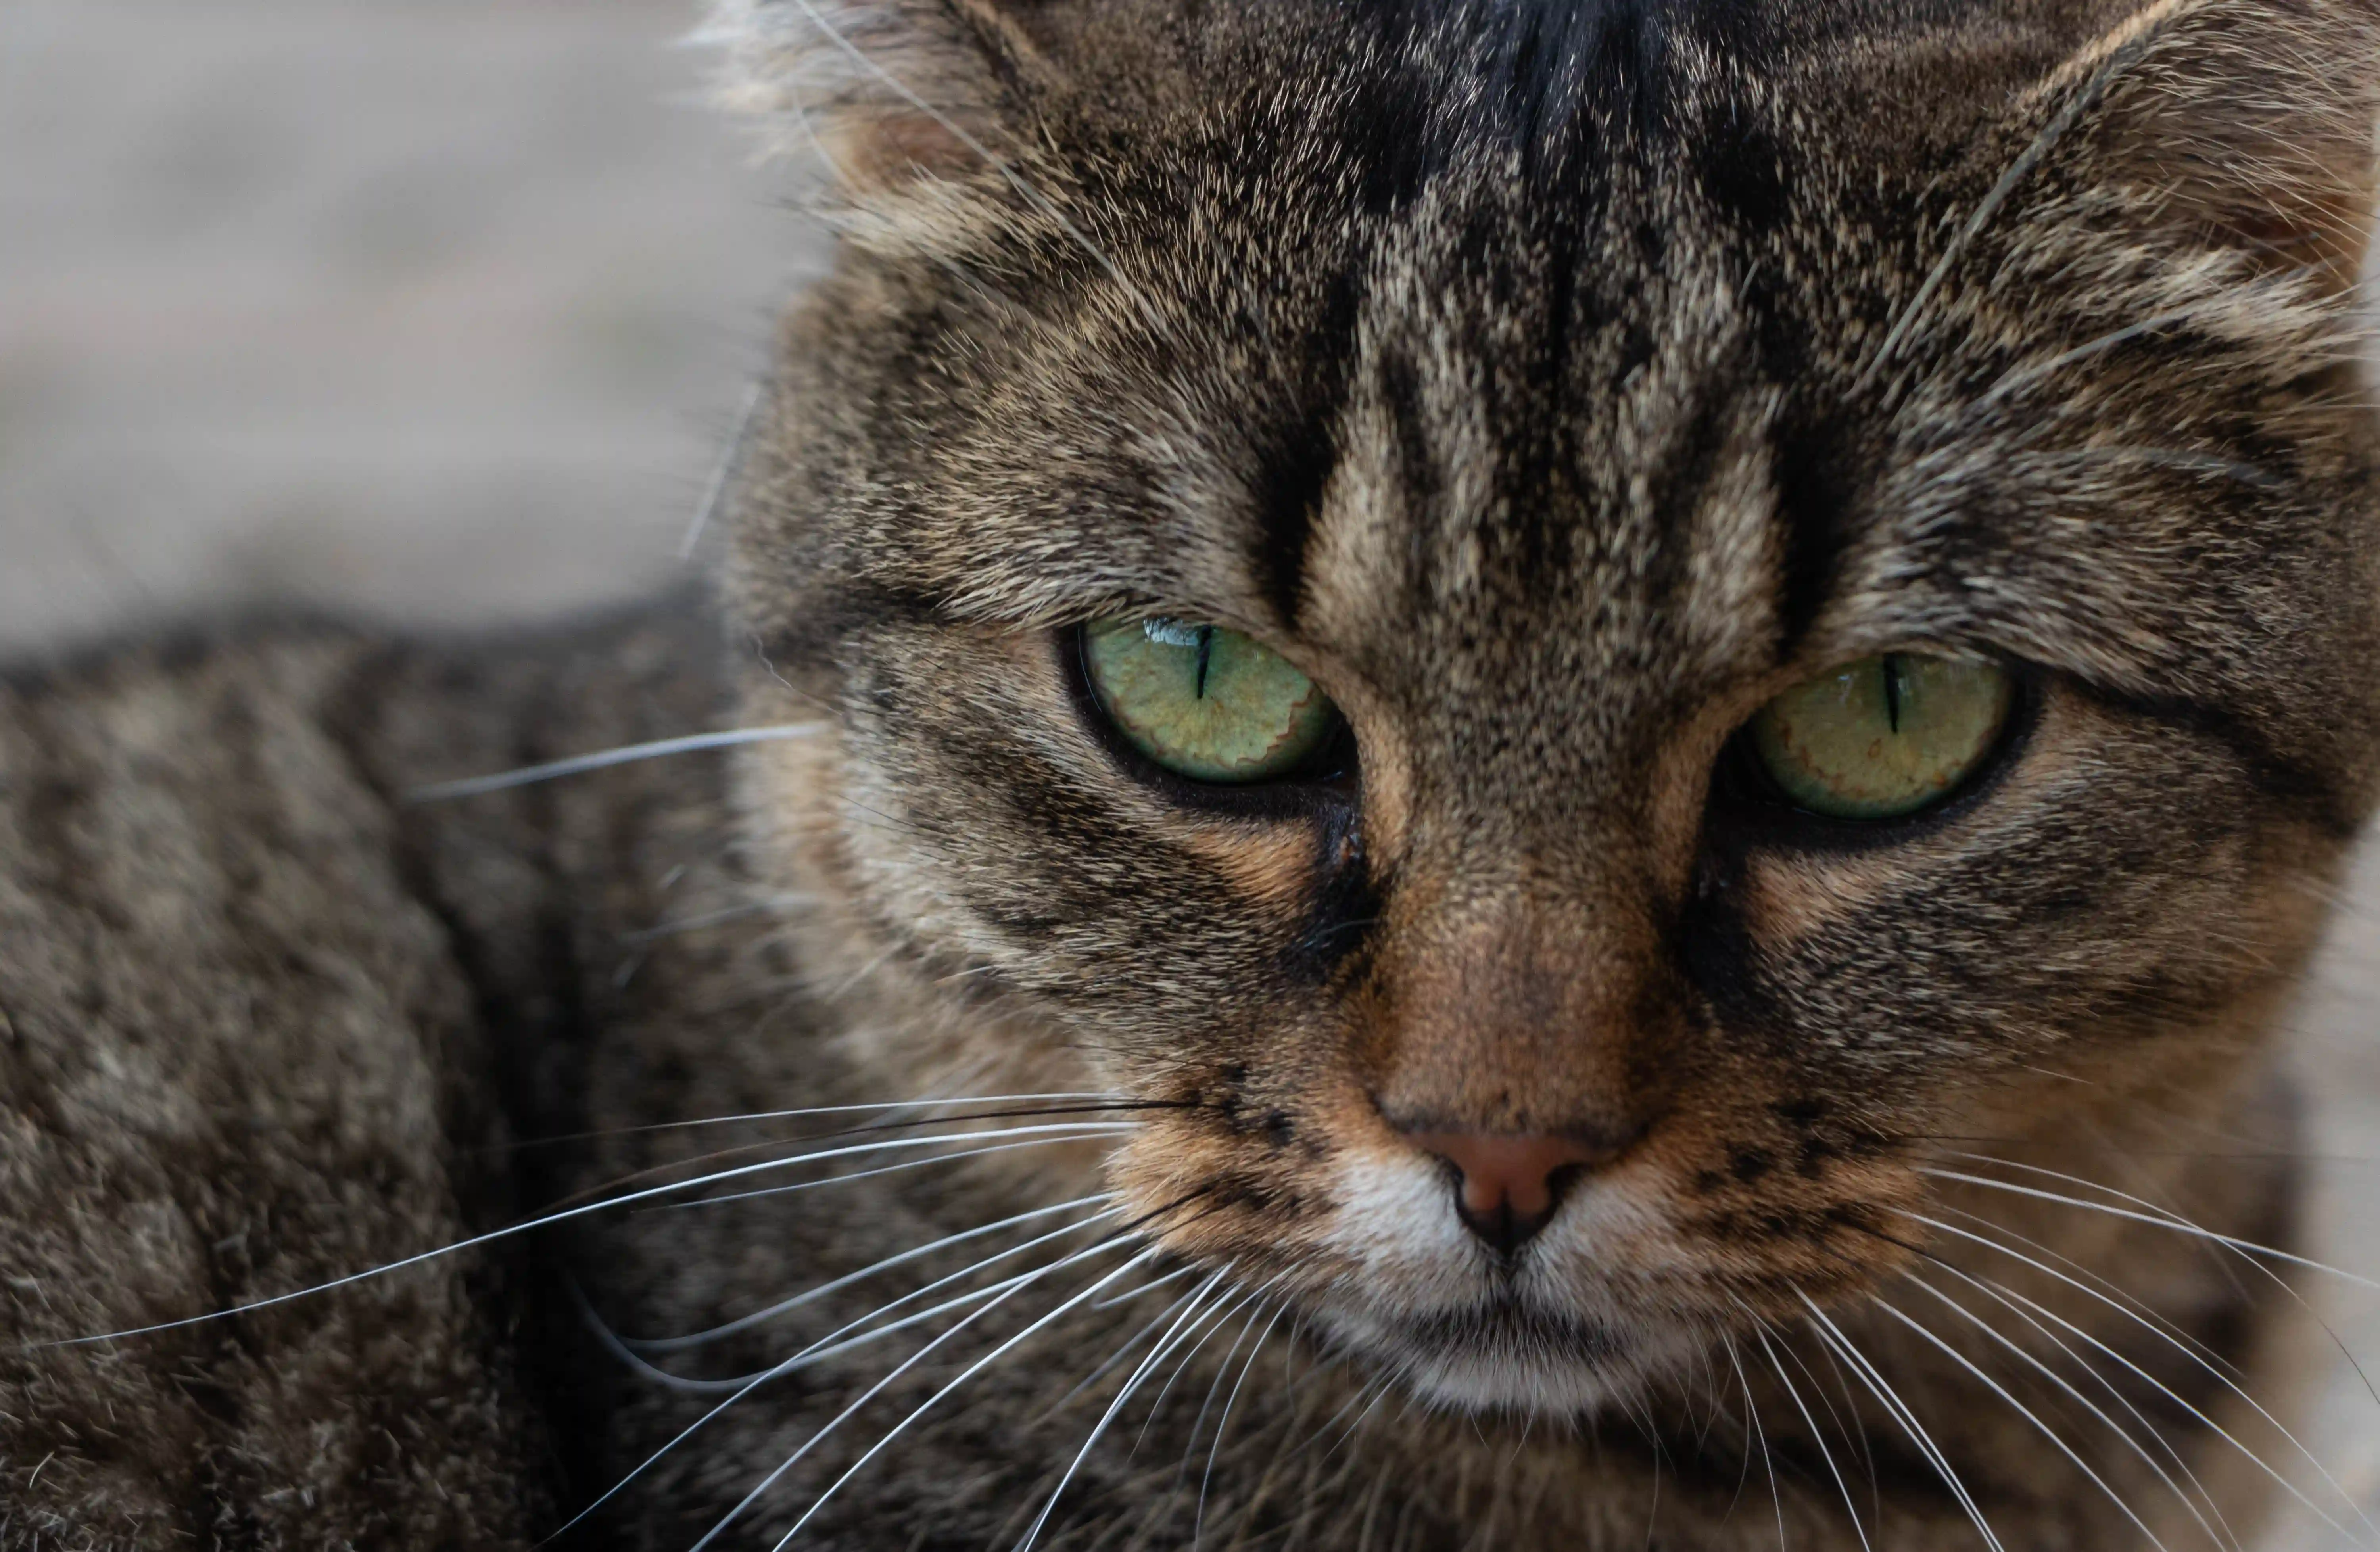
[{"x": 1502, "y": 1358}]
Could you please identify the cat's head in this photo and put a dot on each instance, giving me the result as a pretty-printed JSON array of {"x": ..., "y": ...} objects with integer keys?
[{"x": 1578, "y": 634}]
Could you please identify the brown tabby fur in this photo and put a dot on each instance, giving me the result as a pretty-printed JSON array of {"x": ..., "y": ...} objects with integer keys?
[{"x": 1556, "y": 383}]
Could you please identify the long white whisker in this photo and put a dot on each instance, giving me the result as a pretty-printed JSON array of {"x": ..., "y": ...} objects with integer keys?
[
  {"x": 2139, "y": 1308},
  {"x": 1198, "y": 1423},
  {"x": 2220, "y": 1377},
  {"x": 2157, "y": 1220},
  {"x": 1091, "y": 1103},
  {"x": 898, "y": 1428},
  {"x": 819, "y": 1351},
  {"x": 1881, "y": 1388},
  {"x": 2032, "y": 1314},
  {"x": 1125, "y": 1351},
  {"x": 2056, "y": 1439},
  {"x": 839, "y": 1342},
  {"x": 1188, "y": 1319},
  {"x": 1224, "y": 1309},
  {"x": 888, "y": 1169},
  {"x": 2126, "y": 1435},
  {"x": 1768, "y": 1461},
  {"x": 581, "y": 765},
  {"x": 1166, "y": 1282},
  {"x": 2017, "y": 379},
  {"x": 1198, "y": 1524},
  {"x": 1857, "y": 1434},
  {"x": 1818, "y": 1438},
  {"x": 761, "y": 1379},
  {"x": 758, "y": 1317},
  {"x": 546, "y": 1221},
  {"x": 2214, "y": 1250}
]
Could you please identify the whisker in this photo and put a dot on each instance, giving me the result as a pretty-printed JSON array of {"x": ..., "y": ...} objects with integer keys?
[
  {"x": 1091, "y": 1103},
  {"x": 837, "y": 1343},
  {"x": 1089, "y": 1127},
  {"x": 2017, "y": 379},
  {"x": 1818, "y": 1438},
  {"x": 889, "y": 1169},
  {"x": 2056, "y": 1439},
  {"x": 716, "y": 918},
  {"x": 1115, "y": 1360},
  {"x": 2122, "y": 1433},
  {"x": 1198, "y": 1522},
  {"x": 1189, "y": 1318},
  {"x": 1198, "y": 1423},
  {"x": 910, "y": 1362},
  {"x": 2221, "y": 1378},
  {"x": 2179, "y": 1225},
  {"x": 1881, "y": 1388},
  {"x": 902, "y": 1426},
  {"x": 2182, "y": 459},
  {"x": 745, "y": 1323},
  {"x": 1768, "y": 1460},
  {"x": 2139, "y": 1308},
  {"x": 1225, "y": 1307},
  {"x": 581, "y": 765},
  {"x": 1166, "y": 1282},
  {"x": 495, "y": 1235},
  {"x": 1855, "y": 1434}
]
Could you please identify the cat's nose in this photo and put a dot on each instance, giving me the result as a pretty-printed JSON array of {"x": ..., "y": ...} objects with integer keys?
[{"x": 1508, "y": 1186}]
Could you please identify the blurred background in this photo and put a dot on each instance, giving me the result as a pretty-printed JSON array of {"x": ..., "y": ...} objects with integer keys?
[
  {"x": 441, "y": 309},
  {"x": 446, "y": 310}
]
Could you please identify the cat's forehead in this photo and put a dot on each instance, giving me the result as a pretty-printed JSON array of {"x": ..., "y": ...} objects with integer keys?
[{"x": 1702, "y": 352}]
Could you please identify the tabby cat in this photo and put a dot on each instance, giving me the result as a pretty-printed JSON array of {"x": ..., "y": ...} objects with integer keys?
[{"x": 1482, "y": 773}]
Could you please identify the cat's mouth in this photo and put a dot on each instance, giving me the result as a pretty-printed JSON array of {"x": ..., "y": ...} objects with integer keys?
[{"x": 1504, "y": 1354}]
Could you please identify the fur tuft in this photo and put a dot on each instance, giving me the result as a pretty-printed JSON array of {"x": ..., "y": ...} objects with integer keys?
[
  {"x": 882, "y": 93},
  {"x": 2254, "y": 126}
]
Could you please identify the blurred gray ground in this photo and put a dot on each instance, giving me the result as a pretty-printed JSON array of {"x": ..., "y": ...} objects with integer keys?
[
  {"x": 435, "y": 307},
  {"x": 445, "y": 309}
]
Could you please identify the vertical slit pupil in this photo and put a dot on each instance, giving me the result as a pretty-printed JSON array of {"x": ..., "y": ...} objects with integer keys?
[
  {"x": 1205, "y": 656},
  {"x": 1891, "y": 691}
]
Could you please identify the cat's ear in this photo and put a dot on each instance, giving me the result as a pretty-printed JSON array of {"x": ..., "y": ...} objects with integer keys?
[
  {"x": 2251, "y": 125},
  {"x": 888, "y": 93}
]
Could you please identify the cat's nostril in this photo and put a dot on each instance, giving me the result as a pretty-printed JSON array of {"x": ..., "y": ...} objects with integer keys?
[{"x": 1508, "y": 1186}]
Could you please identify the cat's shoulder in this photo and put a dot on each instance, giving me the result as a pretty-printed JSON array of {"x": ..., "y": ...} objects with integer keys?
[{"x": 246, "y": 1048}]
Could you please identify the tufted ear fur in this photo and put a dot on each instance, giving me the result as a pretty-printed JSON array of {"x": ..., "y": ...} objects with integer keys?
[
  {"x": 2252, "y": 125},
  {"x": 889, "y": 92}
]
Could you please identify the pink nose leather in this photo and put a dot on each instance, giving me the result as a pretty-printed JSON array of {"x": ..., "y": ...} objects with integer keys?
[{"x": 1510, "y": 1183}]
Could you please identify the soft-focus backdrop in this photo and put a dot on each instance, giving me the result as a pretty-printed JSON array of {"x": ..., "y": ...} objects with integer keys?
[
  {"x": 439, "y": 308},
  {"x": 446, "y": 310}
]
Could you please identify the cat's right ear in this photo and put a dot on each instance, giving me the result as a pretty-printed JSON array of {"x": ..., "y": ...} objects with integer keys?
[
  {"x": 2248, "y": 125},
  {"x": 890, "y": 95}
]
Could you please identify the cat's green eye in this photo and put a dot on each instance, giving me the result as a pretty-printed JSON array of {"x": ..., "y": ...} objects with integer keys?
[
  {"x": 1205, "y": 702},
  {"x": 1883, "y": 737}
]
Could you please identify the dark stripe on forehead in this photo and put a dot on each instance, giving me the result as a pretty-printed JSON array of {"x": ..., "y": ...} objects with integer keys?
[
  {"x": 1814, "y": 497},
  {"x": 1291, "y": 477},
  {"x": 1297, "y": 459}
]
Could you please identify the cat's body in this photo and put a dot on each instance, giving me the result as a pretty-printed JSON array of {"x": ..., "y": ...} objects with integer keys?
[
  {"x": 597, "y": 954},
  {"x": 1557, "y": 386}
]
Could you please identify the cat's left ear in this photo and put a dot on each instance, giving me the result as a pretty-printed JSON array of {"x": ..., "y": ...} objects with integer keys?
[
  {"x": 2249, "y": 125},
  {"x": 893, "y": 94}
]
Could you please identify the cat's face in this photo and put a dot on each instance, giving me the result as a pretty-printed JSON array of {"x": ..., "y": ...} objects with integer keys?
[{"x": 1554, "y": 391}]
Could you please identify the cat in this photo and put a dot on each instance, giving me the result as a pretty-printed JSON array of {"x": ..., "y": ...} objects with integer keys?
[{"x": 1497, "y": 773}]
